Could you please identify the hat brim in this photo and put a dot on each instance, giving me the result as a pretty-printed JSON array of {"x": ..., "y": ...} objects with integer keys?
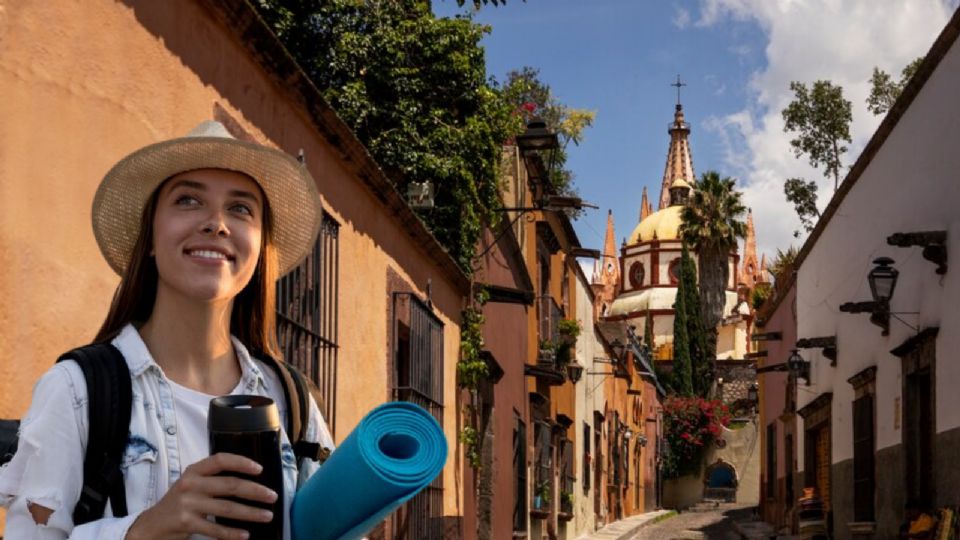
[{"x": 289, "y": 188}]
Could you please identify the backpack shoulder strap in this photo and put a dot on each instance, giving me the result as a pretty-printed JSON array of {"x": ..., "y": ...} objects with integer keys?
[
  {"x": 109, "y": 400},
  {"x": 297, "y": 393}
]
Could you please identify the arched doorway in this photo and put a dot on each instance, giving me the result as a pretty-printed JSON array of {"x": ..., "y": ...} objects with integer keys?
[{"x": 720, "y": 482}]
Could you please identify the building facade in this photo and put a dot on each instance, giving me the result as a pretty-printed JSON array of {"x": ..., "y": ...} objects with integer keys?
[
  {"x": 879, "y": 423},
  {"x": 71, "y": 109},
  {"x": 776, "y": 333}
]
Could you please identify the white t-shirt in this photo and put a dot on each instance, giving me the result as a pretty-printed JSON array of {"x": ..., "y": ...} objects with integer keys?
[{"x": 191, "y": 408}]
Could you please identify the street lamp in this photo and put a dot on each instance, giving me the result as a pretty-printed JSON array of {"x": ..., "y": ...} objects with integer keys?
[
  {"x": 797, "y": 365},
  {"x": 536, "y": 144},
  {"x": 537, "y": 137},
  {"x": 574, "y": 371},
  {"x": 752, "y": 395},
  {"x": 883, "y": 280}
]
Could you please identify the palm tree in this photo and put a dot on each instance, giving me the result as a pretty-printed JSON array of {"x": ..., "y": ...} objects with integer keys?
[{"x": 711, "y": 225}]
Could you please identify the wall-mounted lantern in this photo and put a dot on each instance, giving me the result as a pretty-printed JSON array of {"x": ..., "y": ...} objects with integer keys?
[
  {"x": 574, "y": 371},
  {"x": 883, "y": 282},
  {"x": 798, "y": 366}
]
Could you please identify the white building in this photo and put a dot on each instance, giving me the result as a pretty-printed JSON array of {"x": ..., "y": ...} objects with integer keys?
[{"x": 881, "y": 423}]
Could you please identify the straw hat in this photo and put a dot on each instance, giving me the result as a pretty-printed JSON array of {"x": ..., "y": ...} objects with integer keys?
[{"x": 124, "y": 191}]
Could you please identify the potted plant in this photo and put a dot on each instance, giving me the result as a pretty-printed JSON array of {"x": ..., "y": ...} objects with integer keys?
[
  {"x": 548, "y": 352},
  {"x": 541, "y": 496},
  {"x": 566, "y": 502},
  {"x": 569, "y": 330}
]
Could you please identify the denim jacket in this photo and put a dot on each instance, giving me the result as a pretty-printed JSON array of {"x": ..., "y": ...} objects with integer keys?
[{"x": 48, "y": 467}]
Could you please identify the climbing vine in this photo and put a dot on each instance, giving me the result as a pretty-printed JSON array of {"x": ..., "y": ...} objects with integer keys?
[{"x": 471, "y": 370}]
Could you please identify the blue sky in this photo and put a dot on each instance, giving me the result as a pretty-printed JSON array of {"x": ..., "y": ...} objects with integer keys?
[{"x": 619, "y": 57}]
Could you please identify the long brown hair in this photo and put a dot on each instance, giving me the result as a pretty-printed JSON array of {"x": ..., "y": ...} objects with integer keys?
[{"x": 253, "y": 318}]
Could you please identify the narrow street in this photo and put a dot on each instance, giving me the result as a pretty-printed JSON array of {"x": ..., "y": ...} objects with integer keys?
[{"x": 698, "y": 524}]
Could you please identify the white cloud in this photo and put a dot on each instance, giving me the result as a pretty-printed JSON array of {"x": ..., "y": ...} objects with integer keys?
[
  {"x": 714, "y": 83},
  {"x": 839, "y": 40},
  {"x": 681, "y": 17}
]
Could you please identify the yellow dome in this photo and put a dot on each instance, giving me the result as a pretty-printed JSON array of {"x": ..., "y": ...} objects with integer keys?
[{"x": 665, "y": 224}]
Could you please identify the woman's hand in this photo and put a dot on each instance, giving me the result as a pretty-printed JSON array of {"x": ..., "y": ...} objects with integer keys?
[{"x": 183, "y": 510}]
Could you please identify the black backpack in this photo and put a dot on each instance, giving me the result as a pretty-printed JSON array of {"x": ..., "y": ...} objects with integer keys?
[{"x": 109, "y": 400}]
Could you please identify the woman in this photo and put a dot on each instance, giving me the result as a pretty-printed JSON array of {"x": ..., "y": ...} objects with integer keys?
[{"x": 198, "y": 228}]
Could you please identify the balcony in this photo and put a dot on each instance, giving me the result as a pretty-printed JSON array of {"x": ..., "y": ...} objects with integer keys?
[{"x": 549, "y": 315}]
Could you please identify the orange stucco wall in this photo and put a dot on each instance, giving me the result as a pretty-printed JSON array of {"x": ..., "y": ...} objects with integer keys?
[{"x": 85, "y": 83}]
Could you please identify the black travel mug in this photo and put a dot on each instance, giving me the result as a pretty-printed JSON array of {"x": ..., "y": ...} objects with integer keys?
[{"x": 250, "y": 426}]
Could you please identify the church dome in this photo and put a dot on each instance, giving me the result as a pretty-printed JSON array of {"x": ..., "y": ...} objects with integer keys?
[{"x": 661, "y": 225}]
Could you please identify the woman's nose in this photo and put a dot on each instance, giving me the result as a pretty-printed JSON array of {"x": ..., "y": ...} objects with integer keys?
[{"x": 215, "y": 225}]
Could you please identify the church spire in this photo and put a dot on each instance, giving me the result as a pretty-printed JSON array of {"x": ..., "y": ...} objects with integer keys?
[
  {"x": 606, "y": 284},
  {"x": 645, "y": 208},
  {"x": 609, "y": 242},
  {"x": 679, "y": 160},
  {"x": 751, "y": 270}
]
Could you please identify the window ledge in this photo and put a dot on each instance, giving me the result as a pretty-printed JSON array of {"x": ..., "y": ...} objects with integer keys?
[
  {"x": 862, "y": 527},
  {"x": 539, "y": 514}
]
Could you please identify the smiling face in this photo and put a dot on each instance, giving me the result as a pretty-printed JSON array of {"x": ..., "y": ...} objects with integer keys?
[{"x": 207, "y": 234}]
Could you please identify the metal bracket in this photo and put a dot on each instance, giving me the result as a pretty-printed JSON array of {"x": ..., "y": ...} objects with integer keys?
[{"x": 934, "y": 244}]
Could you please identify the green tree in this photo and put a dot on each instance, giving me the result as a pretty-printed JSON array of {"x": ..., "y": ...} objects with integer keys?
[
  {"x": 820, "y": 118},
  {"x": 884, "y": 91},
  {"x": 712, "y": 223},
  {"x": 700, "y": 360},
  {"x": 782, "y": 262},
  {"x": 531, "y": 97},
  {"x": 415, "y": 91},
  {"x": 803, "y": 195},
  {"x": 682, "y": 364}
]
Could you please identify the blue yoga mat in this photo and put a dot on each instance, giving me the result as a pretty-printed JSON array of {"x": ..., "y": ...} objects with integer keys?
[{"x": 395, "y": 452}]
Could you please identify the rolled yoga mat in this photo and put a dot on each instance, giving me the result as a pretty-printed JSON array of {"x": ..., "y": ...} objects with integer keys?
[{"x": 395, "y": 452}]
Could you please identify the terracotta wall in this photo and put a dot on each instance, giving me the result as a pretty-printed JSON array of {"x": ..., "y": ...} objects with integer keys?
[{"x": 110, "y": 77}]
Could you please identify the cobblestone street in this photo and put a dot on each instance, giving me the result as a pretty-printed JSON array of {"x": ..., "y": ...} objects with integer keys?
[{"x": 712, "y": 524}]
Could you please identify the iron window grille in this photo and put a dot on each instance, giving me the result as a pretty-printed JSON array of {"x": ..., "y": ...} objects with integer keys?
[
  {"x": 586, "y": 457},
  {"x": 543, "y": 466},
  {"x": 520, "y": 476},
  {"x": 418, "y": 378},
  {"x": 307, "y": 314},
  {"x": 771, "y": 487},
  {"x": 566, "y": 490},
  {"x": 549, "y": 315}
]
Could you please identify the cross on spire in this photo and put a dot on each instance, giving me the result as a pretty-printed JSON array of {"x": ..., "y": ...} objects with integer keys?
[{"x": 678, "y": 84}]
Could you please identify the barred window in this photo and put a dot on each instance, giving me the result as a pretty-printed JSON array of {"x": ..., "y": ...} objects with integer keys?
[
  {"x": 307, "y": 317},
  {"x": 586, "y": 457},
  {"x": 418, "y": 378},
  {"x": 543, "y": 466},
  {"x": 519, "y": 475},
  {"x": 568, "y": 479}
]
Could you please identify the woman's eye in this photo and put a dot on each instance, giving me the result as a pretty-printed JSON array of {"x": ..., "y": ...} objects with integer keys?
[
  {"x": 186, "y": 200},
  {"x": 243, "y": 209}
]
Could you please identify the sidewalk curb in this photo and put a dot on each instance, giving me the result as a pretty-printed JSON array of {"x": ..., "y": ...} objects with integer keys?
[{"x": 628, "y": 527}]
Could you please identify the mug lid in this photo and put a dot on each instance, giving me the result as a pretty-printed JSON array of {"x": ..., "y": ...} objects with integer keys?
[{"x": 242, "y": 413}]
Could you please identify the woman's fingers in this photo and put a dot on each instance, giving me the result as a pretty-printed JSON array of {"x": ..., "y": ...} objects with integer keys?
[
  {"x": 220, "y": 532},
  {"x": 224, "y": 462},
  {"x": 224, "y": 508},
  {"x": 229, "y": 486}
]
